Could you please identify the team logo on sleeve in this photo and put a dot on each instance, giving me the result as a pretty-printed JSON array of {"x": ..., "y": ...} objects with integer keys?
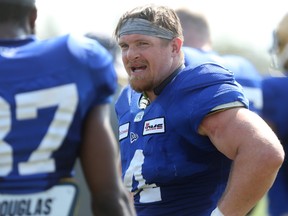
[
  {"x": 133, "y": 137},
  {"x": 154, "y": 126},
  {"x": 123, "y": 131}
]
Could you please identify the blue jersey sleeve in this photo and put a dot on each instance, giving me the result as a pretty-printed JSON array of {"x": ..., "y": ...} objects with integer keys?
[
  {"x": 204, "y": 88},
  {"x": 100, "y": 64}
]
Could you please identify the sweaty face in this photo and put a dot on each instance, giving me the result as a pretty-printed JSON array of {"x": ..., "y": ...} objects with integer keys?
[{"x": 147, "y": 60}]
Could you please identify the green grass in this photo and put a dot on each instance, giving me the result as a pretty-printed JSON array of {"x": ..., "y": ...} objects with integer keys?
[{"x": 261, "y": 208}]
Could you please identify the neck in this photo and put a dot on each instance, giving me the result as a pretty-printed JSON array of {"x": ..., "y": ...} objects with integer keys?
[{"x": 152, "y": 95}]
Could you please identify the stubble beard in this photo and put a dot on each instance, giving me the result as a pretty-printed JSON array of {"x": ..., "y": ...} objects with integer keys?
[{"x": 140, "y": 84}]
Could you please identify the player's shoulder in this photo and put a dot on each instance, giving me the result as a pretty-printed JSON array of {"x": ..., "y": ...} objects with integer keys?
[
  {"x": 203, "y": 75},
  {"x": 84, "y": 47},
  {"x": 79, "y": 46}
]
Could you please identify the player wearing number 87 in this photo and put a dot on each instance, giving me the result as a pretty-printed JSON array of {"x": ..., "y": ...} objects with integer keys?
[
  {"x": 54, "y": 108},
  {"x": 181, "y": 129}
]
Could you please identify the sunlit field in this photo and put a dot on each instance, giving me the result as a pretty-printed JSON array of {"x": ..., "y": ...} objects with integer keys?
[{"x": 261, "y": 208}]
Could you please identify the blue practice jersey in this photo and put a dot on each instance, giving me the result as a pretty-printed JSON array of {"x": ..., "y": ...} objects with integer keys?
[
  {"x": 46, "y": 89},
  {"x": 170, "y": 168},
  {"x": 275, "y": 111},
  {"x": 244, "y": 71}
]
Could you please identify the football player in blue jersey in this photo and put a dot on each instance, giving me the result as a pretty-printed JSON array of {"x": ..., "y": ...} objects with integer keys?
[
  {"x": 275, "y": 106},
  {"x": 197, "y": 47},
  {"x": 54, "y": 108},
  {"x": 188, "y": 143}
]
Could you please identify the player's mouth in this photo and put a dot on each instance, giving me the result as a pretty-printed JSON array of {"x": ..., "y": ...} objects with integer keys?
[{"x": 138, "y": 69}]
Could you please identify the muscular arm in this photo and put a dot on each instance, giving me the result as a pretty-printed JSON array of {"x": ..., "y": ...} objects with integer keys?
[
  {"x": 256, "y": 152},
  {"x": 100, "y": 162}
]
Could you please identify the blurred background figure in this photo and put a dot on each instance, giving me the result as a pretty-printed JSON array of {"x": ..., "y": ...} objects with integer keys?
[
  {"x": 198, "y": 48},
  {"x": 110, "y": 44},
  {"x": 197, "y": 44},
  {"x": 196, "y": 29},
  {"x": 249, "y": 77},
  {"x": 54, "y": 109},
  {"x": 279, "y": 48},
  {"x": 275, "y": 112}
]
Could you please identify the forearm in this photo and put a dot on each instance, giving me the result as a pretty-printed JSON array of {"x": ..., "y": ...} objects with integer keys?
[
  {"x": 250, "y": 178},
  {"x": 100, "y": 162},
  {"x": 256, "y": 152},
  {"x": 112, "y": 204}
]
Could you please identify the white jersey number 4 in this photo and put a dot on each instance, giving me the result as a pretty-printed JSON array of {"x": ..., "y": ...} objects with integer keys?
[{"x": 148, "y": 192}]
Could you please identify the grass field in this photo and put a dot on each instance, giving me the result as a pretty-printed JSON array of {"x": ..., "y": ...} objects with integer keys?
[{"x": 261, "y": 208}]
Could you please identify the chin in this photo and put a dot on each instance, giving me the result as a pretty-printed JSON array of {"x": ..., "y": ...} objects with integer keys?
[
  {"x": 140, "y": 85},
  {"x": 137, "y": 88}
]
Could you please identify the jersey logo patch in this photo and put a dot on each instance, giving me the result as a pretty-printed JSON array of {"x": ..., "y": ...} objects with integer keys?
[
  {"x": 123, "y": 131},
  {"x": 139, "y": 116},
  {"x": 133, "y": 137},
  {"x": 154, "y": 126}
]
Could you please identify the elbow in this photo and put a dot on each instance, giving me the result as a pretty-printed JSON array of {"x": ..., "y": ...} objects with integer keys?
[
  {"x": 281, "y": 156},
  {"x": 275, "y": 156}
]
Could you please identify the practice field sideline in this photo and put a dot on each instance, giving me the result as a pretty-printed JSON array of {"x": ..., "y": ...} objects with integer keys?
[{"x": 261, "y": 208}]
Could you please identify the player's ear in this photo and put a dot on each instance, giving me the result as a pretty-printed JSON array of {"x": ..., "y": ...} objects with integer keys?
[{"x": 176, "y": 45}]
